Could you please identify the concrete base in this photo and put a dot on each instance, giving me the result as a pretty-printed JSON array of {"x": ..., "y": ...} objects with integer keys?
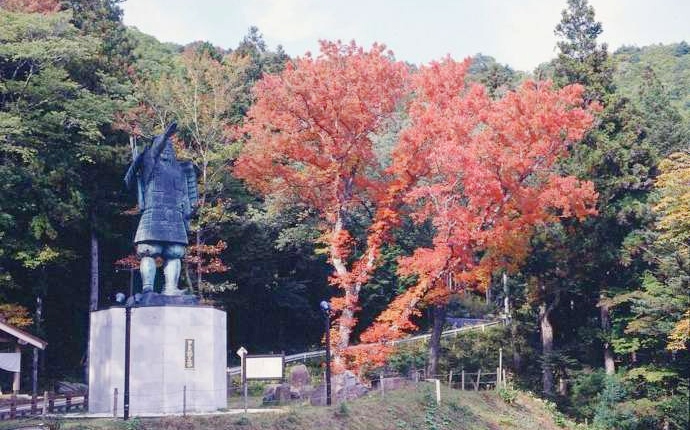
[{"x": 178, "y": 360}]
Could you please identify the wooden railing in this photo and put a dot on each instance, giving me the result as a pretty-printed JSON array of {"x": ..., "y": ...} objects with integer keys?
[{"x": 49, "y": 403}]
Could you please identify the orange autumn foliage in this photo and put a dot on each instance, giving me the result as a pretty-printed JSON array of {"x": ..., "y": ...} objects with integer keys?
[
  {"x": 16, "y": 315},
  {"x": 482, "y": 171},
  {"x": 309, "y": 138},
  {"x": 31, "y": 6},
  {"x": 206, "y": 258}
]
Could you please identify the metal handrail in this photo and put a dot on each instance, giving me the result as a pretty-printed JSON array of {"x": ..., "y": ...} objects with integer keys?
[{"x": 303, "y": 356}]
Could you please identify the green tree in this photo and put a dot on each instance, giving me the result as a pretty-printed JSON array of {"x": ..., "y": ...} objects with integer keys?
[
  {"x": 497, "y": 78},
  {"x": 578, "y": 264},
  {"x": 665, "y": 128},
  {"x": 581, "y": 59},
  {"x": 57, "y": 160}
]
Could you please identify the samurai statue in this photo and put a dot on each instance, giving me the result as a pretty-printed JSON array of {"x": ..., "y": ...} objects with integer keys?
[{"x": 167, "y": 197}]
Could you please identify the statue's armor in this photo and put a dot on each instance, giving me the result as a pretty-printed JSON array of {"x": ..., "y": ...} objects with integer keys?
[{"x": 166, "y": 203}]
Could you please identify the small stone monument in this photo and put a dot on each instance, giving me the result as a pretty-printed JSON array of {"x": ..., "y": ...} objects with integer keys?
[
  {"x": 178, "y": 348},
  {"x": 299, "y": 377}
]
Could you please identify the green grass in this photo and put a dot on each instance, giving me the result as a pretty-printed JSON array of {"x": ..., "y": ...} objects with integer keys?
[{"x": 410, "y": 408}]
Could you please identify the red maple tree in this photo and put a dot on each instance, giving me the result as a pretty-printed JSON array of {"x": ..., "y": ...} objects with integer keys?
[
  {"x": 310, "y": 138},
  {"x": 482, "y": 172},
  {"x": 31, "y": 6}
]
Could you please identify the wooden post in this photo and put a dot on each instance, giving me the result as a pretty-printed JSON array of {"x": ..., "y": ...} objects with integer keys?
[
  {"x": 45, "y": 402},
  {"x": 462, "y": 380},
  {"x": 383, "y": 392},
  {"x": 51, "y": 403},
  {"x": 438, "y": 391},
  {"x": 34, "y": 373},
  {"x": 498, "y": 378},
  {"x": 34, "y": 407},
  {"x": 500, "y": 364},
  {"x": 503, "y": 378},
  {"x": 479, "y": 375},
  {"x": 13, "y": 405},
  {"x": 17, "y": 374},
  {"x": 115, "y": 402},
  {"x": 184, "y": 400},
  {"x": 450, "y": 379}
]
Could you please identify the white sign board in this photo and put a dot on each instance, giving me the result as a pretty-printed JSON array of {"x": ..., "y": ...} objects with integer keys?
[{"x": 264, "y": 366}]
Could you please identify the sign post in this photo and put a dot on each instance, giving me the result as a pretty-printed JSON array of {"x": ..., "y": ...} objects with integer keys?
[{"x": 242, "y": 352}]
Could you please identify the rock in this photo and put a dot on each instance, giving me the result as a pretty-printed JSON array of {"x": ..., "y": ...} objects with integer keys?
[
  {"x": 345, "y": 386},
  {"x": 298, "y": 394},
  {"x": 282, "y": 394},
  {"x": 318, "y": 396},
  {"x": 269, "y": 395},
  {"x": 277, "y": 394},
  {"x": 351, "y": 392},
  {"x": 299, "y": 377}
]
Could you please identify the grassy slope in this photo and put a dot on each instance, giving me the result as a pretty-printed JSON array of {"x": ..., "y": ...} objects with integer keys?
[{"x": 409, "y": 408}]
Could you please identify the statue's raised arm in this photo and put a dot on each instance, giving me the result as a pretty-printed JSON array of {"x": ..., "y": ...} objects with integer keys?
[{"x": 159, "y": 141}]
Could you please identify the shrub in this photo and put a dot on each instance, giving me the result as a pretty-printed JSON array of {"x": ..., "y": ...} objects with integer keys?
[{"x": 508, "y": 394}]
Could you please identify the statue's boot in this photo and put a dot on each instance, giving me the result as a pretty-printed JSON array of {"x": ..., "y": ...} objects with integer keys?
[
  {"x": 147, "y": 267},
  {"x": 171, "y": 271}
]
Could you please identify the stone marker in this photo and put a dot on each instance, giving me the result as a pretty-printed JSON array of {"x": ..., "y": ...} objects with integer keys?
[{"x": 299, "y": 377}]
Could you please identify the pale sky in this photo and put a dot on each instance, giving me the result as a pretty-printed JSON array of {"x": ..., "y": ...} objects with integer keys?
[{"x": 515, "y": 32}]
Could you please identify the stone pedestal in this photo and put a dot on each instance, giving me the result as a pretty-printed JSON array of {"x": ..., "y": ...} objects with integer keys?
[{"x": 178, "y": 360}]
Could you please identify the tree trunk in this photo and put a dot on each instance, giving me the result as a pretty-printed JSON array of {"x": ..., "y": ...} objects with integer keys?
[
  {"x": 93, "y": 302},
  {"x": 346, "y": 320},
  {"x": 562, "y": 387},
  {"x": 517, "y": 358},
  {"x": 94, "y": 286},
  {"x": 547, "y": 349},
  {"x": 506, "y": 296},
  {"x": 547, "y": 341},
  {"x": 198, "y": 264},
  {"x": 347, "y": 315},
  {"x": 439, "y": 313},
  {"x": 609, "y": 364}
]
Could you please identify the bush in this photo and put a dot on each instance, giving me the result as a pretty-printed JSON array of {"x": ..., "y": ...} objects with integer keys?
[
  {"x": 408, "y": 357},
  {"x": 607, "y": 414},
  {"x": 508, "y": 394},
  {"x": 584, "y": 395},
  {"x": 343, "y": 410},
  {"x": 255, "y": 388}
]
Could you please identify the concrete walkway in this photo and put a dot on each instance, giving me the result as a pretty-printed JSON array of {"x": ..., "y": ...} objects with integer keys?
[{"x": 158, "y": 415}]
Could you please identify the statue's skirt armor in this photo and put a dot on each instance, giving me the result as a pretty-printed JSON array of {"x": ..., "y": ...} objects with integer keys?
[
  {"x": 166, "y": 201},
  {"x": 161, "y": 225}
]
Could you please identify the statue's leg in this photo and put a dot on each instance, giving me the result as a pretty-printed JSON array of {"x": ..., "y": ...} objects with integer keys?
[
  {"x": 148, "y": 252},
  {"x": 172, "y": 268}
]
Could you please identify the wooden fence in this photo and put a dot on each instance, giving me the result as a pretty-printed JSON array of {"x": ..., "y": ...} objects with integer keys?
[{"x": 49, "y": 403}]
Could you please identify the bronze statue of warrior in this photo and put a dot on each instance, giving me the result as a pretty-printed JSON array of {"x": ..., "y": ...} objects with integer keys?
[{"x": 167, "y": 199}]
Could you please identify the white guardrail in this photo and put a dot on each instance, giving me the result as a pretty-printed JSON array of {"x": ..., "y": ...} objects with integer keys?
[{"x": 303, "y": 356}]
